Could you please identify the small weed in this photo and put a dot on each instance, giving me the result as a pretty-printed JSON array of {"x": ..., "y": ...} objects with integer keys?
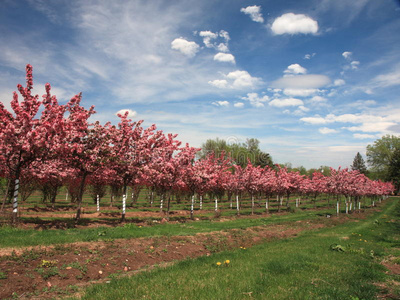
[
  {"x": 48, "y": 263},
  {"x": 48, "y": 272},
  {"x": 3, "y": 275}
]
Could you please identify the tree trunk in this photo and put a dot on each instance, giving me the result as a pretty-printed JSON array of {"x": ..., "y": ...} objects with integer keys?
[
  {"x": 252, "y": 204},
  {"x": 192, "y": 207},
  {"x": 123, "y": 208},
  {"x": 201, "y": 202},
  {"x": 161, "y": 202},
  {"x": 267, "y": 204},
  {"x": 15, "y": 202},
  {"x": 168, "y": 204},
  {"x": 98, "y": 203},
  {"x": 237, "y": 205},
  {"x": 80, "y": 196}
]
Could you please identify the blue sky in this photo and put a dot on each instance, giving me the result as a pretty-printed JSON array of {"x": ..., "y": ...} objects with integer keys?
[{"x": 315, "y": 81}]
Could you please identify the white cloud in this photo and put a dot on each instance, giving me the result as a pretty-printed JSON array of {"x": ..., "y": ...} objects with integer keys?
[
  {"x": 295, "y": 69},
  {"x": 207, "y": 37},
  {"x": 347, "y": 54},
  {"x": 221, "y": 103},
  {"x": 354, "y": 64},
  {"x": 377, "y": 126},
  {"x": 131, "y": 113},
  {"x": 286, "y": 102},
  {"x": 254, "y": 12},
  {"x": 222, "y": 47},
  {"x": 314, "y": 120},
  {"x": 339, "y": 82},
  {"x": 225, "y": 35},
  {"x": 224, "y": 57},
  {"x": 309, "y": 56},
  {"x": 256, "y": 100},
  {"x": 291, "y": 23},
  {"x": 364, "y": 136},
  {"x": 300, "y": 92},
  {"x": 303, "y": 108},
  {"x": 310, "y": 81},
  {"x": 242, "y": 80},
  {"x": 238, "y": 104},
  {"x": 188, "y": 48},
  {"x": 318, "y": 99},
  {"x": 326, "y": 130},
  {"x": 219, "y": 83}
]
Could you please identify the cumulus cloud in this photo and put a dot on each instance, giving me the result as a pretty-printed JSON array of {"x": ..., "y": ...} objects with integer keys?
[
  {"x": 188, "y": 48},
  {"x": 224, "y": 57},
  {"x": 295, "y": 69},
  {"x": 256, "y": 100},
  {"x": 300, "y": 92},
  {"x": 286, "y": 102},
  {"x": 310, "y": 81},
  {"x": 254, "y": 12},
  {"x": 347, "y": 54},
  {"x": 221, "y": 103},
  {"x": 339, "y": 82},
  {"x": 219, "y": 83},
  {"x": 209, "y": 38},
  {"x": 237, "y": 80},
  {"x": 242, "y": 79},
  {"x": 326, "y": 130},
  {"x": 131, "y": 113},
  {"x": 291, "y": 23},
  {"x": 238, "y": 104}
]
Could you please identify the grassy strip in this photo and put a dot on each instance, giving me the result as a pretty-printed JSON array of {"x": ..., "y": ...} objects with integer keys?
[
  {"x": 302, "y": 268},
  {"x": 15, "y": 237}
]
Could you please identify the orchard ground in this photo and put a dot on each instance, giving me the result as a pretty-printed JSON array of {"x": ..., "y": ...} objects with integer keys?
[{"x": 302, "y": 253}]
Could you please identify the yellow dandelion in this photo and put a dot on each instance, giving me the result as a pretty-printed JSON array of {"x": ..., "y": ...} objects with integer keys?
[
  {"x": 227, "y": 261},
  {"x": 218, "y": 264}
]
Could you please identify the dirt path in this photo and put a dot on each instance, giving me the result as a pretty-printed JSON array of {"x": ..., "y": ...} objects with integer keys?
[{"x": 57, "y": 271}]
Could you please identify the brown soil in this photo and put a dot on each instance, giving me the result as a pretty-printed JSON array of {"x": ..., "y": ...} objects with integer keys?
[{"x": 56, "y": 271}]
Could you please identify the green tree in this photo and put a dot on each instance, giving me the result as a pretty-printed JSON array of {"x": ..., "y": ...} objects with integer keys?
[
  {"x": 394, "y": 169},
  {"x": 239, "y": 152},
  {"x": 359, "y": 164},
  {"x": 380, "y": 153}
]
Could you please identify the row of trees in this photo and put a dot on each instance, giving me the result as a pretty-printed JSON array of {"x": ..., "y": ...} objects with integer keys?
[{"x": 56, "y": 144}]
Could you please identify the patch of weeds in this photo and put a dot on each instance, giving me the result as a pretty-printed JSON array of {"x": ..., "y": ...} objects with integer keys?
[
  {"x": 3, "y": 275},
  {"x": 216, "y": 243},
  {"x": 48, "y": 272}
]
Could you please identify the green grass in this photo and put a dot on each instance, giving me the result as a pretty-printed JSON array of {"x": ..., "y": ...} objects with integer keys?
[
  {"x": 16, "y": 237},
  {"x": 301, "y": 268}
]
